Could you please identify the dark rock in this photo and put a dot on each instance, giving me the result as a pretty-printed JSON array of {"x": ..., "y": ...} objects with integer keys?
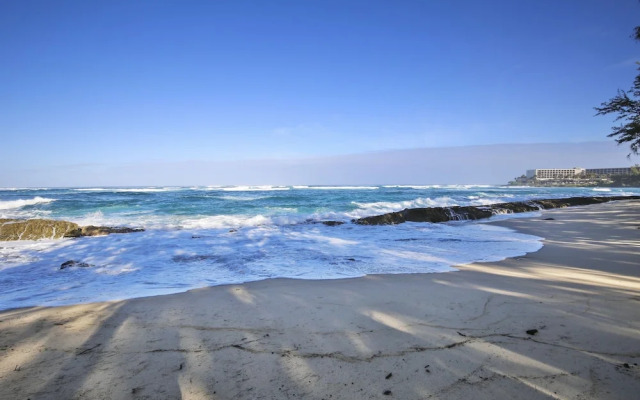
[
  {"x": 34, "y": 229},
  {"x": 549, "y": 219},
  {"x": 532, "y": 332},
  {"x": 387, "y": 393},
  {"x": 106, "y": 230},
  {"x": 443, "y": 214},
  {"x": 74, "y": 263},
  {"x": 332, "y": 223}
]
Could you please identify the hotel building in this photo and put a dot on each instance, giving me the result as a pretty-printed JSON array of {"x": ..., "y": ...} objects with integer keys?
[
  {"x": 572, "y": 173},
  {"x": 555, "y": 173},
  {"x": 609, "y": 171}
]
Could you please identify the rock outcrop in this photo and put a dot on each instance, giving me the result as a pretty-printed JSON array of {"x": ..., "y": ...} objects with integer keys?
[
  {"x": 74, "y": 263},
  {"x": 106, "y": 230},
  {"x": 332, "y": 223},
  {"x": 443, "y": 214},
  {"x": 34, "y": 229}
]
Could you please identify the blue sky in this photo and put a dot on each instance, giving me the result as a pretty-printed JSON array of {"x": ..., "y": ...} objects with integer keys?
[{"x": 88, "y": 84}]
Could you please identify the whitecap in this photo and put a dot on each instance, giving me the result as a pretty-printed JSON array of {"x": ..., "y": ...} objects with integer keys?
[
  {"x": 264, "y": 188},
  {"x": 419, "y": 187},
  {"x": 130, "y": 190},
  {"x": 19, "y": 189},
  {"x": 242, "y": 198},
  {"x": 241, "y": 221},
  {"x": 341, "y": 187},
  {"x": 225, "y": 221},
  {"x": 387, "y": 206},
  {"x": 466, "y": 186},
  {"x": 7, "y": 205}
]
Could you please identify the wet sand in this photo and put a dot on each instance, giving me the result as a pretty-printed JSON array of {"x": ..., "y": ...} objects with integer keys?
[{"x": 563, "y": 322}]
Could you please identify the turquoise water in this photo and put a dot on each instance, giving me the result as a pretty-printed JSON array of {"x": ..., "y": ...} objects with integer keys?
[{"x": 202, "y": 236}]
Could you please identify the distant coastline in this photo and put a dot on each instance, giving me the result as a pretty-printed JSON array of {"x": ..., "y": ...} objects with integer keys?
[
  {"x": 596, "y": 184},
  {"x": 580, "y": 177}
]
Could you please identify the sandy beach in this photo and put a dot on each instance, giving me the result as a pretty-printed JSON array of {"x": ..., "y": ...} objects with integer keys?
[{"x": 563, "y": 322}]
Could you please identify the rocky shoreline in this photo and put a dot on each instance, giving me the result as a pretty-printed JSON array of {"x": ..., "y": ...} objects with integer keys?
[
  {"x": 457, "y": 213},
  {"x": 34, "y": 229}
]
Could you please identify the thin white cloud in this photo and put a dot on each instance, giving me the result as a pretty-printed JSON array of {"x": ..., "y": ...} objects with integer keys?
[{"x": 486, "y": 164}]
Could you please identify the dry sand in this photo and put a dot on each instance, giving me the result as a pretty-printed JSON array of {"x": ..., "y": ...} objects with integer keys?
[{"x": 448, "y": 335}]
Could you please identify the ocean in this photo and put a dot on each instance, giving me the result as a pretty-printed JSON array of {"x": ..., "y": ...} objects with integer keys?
[{"x": 205, "y": 236}]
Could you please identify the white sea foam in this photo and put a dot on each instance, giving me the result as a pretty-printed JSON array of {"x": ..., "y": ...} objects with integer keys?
[
  {"x": 95, "y": 218},
  {"x": 367, "y": 209},
  {"x": 485, "y": 201},
  {"x": 386, "y": 207},
  {"x": 226, "y": 221},
  {"x": 117, "y": 269},
  {"x": 337, "y": 187},
  {"x": 203, "y": 188},
  {"x": 128, "y": 219},
  {"x": 242, "y": 198},
  {"x": 20, "y": 252},
  {"x": 130, "y": 190},
  {"x": 26, "y": 189},
  {"x": 25, "y": 213},
  {"x": 466, "y": 186},
  {"x": 412, "y": 186},
  {"x": 11, "y": 204},
  {"x": 601, "y": 189},
  {"x": 263, "y": 188},
  {"x": 146, "y": 190},
  {"x": 163, "y": 261},
  {"x": 275, "y": 216}
]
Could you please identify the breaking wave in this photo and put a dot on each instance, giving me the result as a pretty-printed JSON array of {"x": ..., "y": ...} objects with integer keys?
[{"x": 11, "y": 204}]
